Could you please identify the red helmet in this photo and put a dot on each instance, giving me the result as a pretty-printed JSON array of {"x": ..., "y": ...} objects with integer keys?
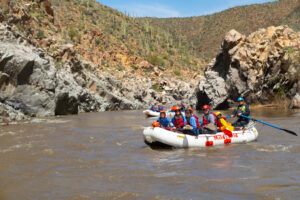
[
  {"x": 155, "y": 124},
  {"x": 162, "y": 111},
  {"x": 158, "y": 105},
  {"x": 206, "y": 107}
]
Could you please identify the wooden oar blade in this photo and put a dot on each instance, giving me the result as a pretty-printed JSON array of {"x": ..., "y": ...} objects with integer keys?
[{"x": 289, "y": 131}]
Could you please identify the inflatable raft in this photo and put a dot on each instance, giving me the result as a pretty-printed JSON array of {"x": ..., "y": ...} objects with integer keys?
[
  {"x": 150, "y": 113},
  {"x": 164, "y": 137}
]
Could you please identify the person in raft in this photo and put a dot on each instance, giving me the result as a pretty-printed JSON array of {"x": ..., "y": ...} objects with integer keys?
[
  {"x": 191, "y": 124},
  {"x": 222, "y": 124},
  {"x": 178, "y": 120},
  {"x": 209, "y": 121},
  {"x": 241, "y": 109},
  {"x": 197, "y": 118},
  {"x": 153, "y": 108},
  {"x": 160, "y": 108},
  {"x": 164, "y": 121}
]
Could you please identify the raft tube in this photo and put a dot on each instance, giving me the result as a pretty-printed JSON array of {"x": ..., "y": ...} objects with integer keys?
[
  {"x": 156, "y": 135},
  {"x": 150, "y": 113}
]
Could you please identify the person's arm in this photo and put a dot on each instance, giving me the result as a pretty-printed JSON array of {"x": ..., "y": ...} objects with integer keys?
[
  {"x": 184, "y": 121},
  {"x": 234, "y": 113},
  {"x": 211, "y": 118},
  {"x": 193, "y": 122},
  {"x": 170, "y": 123},
  {"x": 173, "y": 120}
]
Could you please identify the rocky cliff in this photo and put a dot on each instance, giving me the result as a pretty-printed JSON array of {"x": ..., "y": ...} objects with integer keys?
[
  {"x": 43, "y": 74},
  {"x": 33, "y": 83},
  {"x": 262, "y": 67}
]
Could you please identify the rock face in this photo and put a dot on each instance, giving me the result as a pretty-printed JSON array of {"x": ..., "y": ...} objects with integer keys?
[
  {"x": 295, "y": 102},
  {"x": 34, "y": 83},
  {"x": 261, "y": 67}
]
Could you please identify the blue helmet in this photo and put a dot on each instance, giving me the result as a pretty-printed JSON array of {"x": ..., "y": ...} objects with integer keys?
[{"x": 240, "y": 99}]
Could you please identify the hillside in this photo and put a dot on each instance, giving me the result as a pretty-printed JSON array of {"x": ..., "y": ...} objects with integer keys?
[
  {"x": 293, "y": 19},
  {"x": 205, "y": 33},
  {"x": 66, "y": 57},
  {"x": 113, "y": 40}
]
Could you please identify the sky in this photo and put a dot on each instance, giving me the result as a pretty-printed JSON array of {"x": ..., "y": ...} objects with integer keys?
[{"x": 175, "y": 8}]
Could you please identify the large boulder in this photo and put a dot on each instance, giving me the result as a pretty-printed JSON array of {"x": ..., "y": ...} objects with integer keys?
[
  {"x": 260, "y": 67},
  {"x": 295, "y": 102}
]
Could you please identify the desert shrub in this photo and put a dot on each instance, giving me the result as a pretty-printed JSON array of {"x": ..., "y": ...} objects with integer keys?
[
  {"x": 40, "y": 34},
  {"x": 155, "y": 60}
]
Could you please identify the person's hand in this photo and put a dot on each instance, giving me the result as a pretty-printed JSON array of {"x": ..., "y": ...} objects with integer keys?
[
  {"x": 184, "y": 127},
  {"x": 232, "y": 116},
  {"x": 239, "y": 114}
]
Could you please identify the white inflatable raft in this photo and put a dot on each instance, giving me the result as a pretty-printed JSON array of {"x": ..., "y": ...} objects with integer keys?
[
  {"x": 154, "y": 136},
  {"x": 150, "y": 113}
]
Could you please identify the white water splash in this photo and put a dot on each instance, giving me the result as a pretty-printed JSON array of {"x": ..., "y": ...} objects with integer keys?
[
  {"x": 275, "y": 148},
  {"x": 16, "y": 147},
  {"x": 7, "y": 133}
]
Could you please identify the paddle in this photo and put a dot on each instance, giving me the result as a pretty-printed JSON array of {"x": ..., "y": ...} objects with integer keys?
[{"x": 288, "y": 131}]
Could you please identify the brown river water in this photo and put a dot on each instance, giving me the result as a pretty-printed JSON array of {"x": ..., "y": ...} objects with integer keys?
[{"x": 103, "y": 156}]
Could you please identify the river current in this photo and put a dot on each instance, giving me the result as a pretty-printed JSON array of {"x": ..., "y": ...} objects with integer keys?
[{"x": 103, "y": 156}]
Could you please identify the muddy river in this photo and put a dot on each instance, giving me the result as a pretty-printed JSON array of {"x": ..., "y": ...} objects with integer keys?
[{"x": 103, "y": 156}]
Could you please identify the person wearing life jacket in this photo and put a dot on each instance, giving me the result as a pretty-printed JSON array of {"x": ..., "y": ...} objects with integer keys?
[
  {"x": 191, "y": 124},
  {"x": 241, "y": 109},
  {"x": 160, "y": 108},
  {"x": 209, "y": 121},
  {"x": 163, "y": 120},
  {"x": 153, "y": 108},
  {"x": 178, "y": 120},
  {"x": 208, "y": 117},
  {"x": 222, "y": 124},
  {"x": 196, "y": 117}
]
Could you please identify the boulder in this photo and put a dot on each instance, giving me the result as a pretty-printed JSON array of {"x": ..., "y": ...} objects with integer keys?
[
  {"x": 295, "y": 103},
  {"x": 254, "y": 67}
]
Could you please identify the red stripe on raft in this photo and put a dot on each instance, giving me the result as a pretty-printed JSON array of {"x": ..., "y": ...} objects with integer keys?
[
  {"x": 227, "y": 141},
  {"x": 209, "y": 143}
]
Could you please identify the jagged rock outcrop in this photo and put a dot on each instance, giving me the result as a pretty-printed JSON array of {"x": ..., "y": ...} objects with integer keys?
[
  {"x": 259, "y": 67},
  {"x": 35, "y": 83}
]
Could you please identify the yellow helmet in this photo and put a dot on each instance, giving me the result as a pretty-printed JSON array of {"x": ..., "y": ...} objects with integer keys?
[{"x": 218, "y": 113}]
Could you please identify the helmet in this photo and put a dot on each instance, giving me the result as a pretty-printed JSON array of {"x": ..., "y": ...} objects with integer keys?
[
  {"x": 191, "y": 109},
  {"x": 162, "y": 111},
  {"x": 218, "y": 113},
  {"x": 240, "y": 99},
  {"x": 155, "y": 124},
  {"x": 206, "y": 107},
  {"x": 158, "y": 105},
  {"x": 177, "y": 108}
]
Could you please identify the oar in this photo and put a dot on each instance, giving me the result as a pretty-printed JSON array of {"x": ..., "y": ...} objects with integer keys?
[{"x": 288, "y": 131}]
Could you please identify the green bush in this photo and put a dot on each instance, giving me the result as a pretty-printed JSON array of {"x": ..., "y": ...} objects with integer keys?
[
  {"x": 177, "y": 72},
  {"x": 157, "y": 88},
  {"x": 155, "y": 60},
  {"x": 72, "y": 33},
  {"x": 40, "y": 34}
]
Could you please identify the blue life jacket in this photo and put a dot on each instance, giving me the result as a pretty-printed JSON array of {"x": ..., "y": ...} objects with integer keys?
[
  {"x": 160, "y": 108},
  {"x": 153, "y": 108},
  {"x": 164, "y": 122}
]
